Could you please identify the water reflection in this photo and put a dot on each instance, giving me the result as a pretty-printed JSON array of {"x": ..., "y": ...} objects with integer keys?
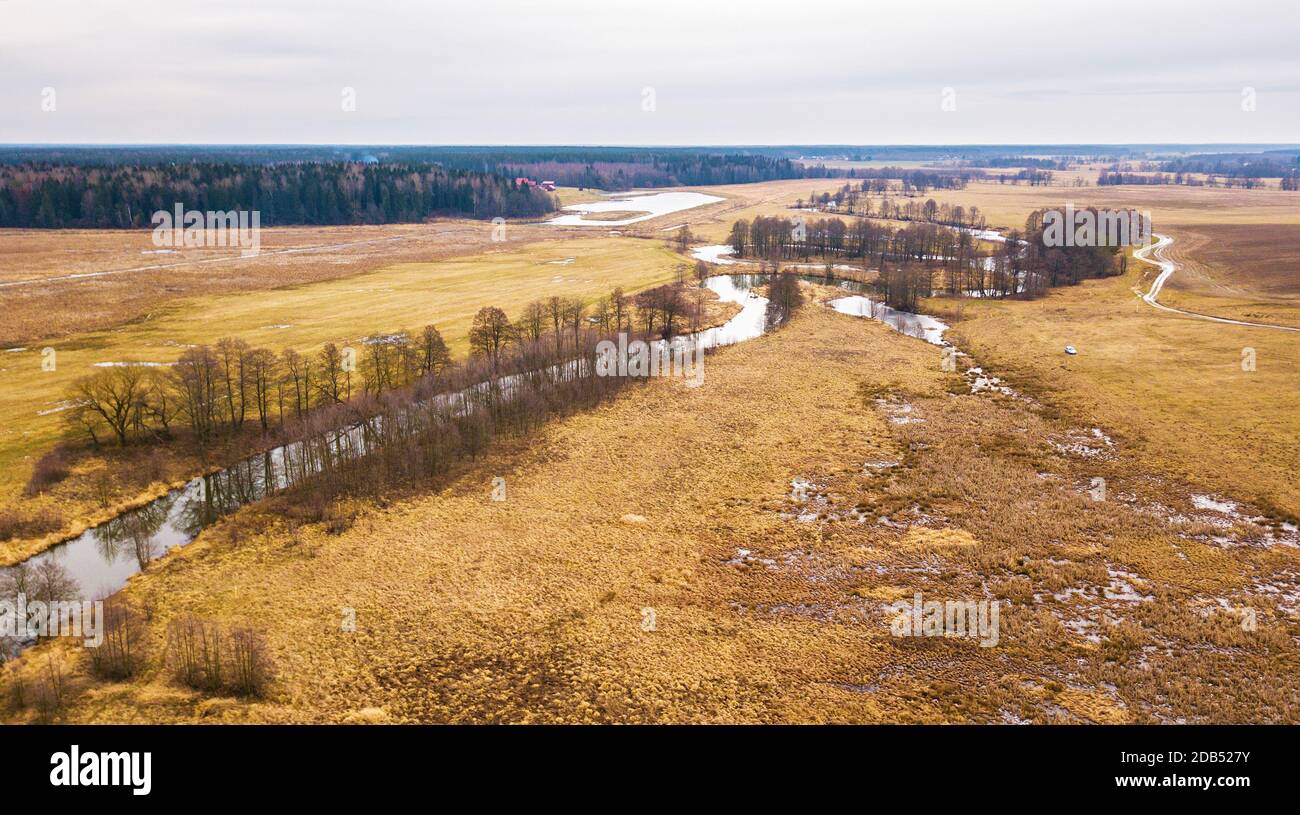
[
  {"x": 921, "y": 326},
  {"x": 101, "y": 560}
]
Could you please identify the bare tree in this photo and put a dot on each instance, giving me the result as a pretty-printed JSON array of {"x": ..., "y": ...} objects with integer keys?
[
  {"x": 331, "y": 384},
  {"x": 434, "y": 357},
  {"x": 232, "y": 354},
  {"x": 533, "y": 322},
  {"x": 116, "y": 395},
  {"x": 263, "y": 373},
  {"x": 490, "y": 332},
  {"x": 619, "y": 302},
  {"x": 195, "y": 378},
  {"x": 555, "y": 310},
  {"x": 574, "y": 312},
  {"x": 297, "y": 378}
]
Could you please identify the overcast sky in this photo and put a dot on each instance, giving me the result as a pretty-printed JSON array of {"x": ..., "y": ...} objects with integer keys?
[{"x": 564, "y": 72}]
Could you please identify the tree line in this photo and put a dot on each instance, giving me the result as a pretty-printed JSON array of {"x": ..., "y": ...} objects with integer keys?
[
  {"x": 921, "y": 259},
  {"x": 1269, "y": 164},
  {"x": 1289, "y": 182},
  {"x": 850, "y": 200},
  {"x": 51, "y": 196},
  {"x": 213, "y": 391},
  {"x": 779, "y": 238}
]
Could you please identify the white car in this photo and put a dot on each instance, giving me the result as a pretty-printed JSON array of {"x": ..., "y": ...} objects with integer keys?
[{"x": 1069, "y": 349}]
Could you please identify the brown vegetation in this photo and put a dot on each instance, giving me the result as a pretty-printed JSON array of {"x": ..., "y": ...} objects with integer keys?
[{"x": 624, "y": 581}]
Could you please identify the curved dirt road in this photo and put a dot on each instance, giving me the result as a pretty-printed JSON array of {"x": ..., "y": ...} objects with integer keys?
[{"x": 1167, "y": 268}]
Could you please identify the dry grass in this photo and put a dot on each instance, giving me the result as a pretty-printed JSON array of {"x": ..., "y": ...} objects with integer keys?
[
  {"x": 123, "y": 286},
  {"x": 1173, "y": 388},
  {"x": 674, "y": 505},
  {"x": 1241, "y": 271},
  {"x": 446, "y": 293},
  {"x": 1170, "y": 206}
]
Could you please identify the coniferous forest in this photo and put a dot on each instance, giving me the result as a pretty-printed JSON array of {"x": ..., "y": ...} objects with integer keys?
[{"x": 50, "y": 196}]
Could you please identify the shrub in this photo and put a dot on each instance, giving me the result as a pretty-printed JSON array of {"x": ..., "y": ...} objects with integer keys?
[
  {"x": 52, "y": 468},
  {"x": 204, "y": 657},
  {"x": 249, "y": 663},
  {"x": 123, "y": 652},
  {"x": 16, "y": 692},
  {"x": 43, "y": 521},
  {"x": 49, "y": 691},
  {"x": 194, "y": 652}
]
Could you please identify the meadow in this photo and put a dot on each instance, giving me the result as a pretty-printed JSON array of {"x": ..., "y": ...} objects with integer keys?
[
  {"x": 59, "y": 283},
  {"x": 732, "y": 553},
  {"x": 343, "y": 310}
]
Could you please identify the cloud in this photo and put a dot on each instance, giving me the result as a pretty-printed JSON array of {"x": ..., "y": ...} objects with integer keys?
[{"x": 571, "y": 71}]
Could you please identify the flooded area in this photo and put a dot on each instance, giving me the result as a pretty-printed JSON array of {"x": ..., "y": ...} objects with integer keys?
[
  {"x": 921, "y": 326},
  {"x": 653, "y": 204}
]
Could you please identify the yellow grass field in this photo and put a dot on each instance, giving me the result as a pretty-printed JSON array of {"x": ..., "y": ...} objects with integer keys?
[
  {"x": 446, "y": 293},
  {"x": 658, "y": 560},
  {"x": 1172, "y": 387},
  {"x": 1006, "y": 206},
  {"x": 57, "y": 283},
  {"x": 1170, "y": 206},
  {"x": 648, "y": 566}
]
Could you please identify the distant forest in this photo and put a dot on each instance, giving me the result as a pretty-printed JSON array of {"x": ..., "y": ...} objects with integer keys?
[
  {"x": 1245, "y": 170},
  {"x": 122, "y": 185},
  {"x": 1272, "y": 164},
  {"x": 606, "y": 168},
  {"x": 125, "y": 196}
]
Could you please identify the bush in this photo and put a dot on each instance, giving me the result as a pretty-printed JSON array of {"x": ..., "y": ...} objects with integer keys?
[
  {"x": 249, "y": 663},
  {"x": 194, "y": 652},
  {"x": 43, "y": 521},
  {"x": 49, "y": 691},
  {"x": 53, "y": 467},
  {"x": 152, "y": 468},
  {"x": 15, "y": 689},
  {"x": 123, "y": 652},
  {"x": 204, "y": 657}
]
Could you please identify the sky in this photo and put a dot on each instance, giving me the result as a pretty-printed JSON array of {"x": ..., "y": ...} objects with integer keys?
[{"x": 667, "y": 72}]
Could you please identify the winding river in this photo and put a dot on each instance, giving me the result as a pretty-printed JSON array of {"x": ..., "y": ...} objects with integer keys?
[{"x": 102, "y": 559}]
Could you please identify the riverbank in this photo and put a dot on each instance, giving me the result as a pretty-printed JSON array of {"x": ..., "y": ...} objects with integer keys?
[
  {"x": 446, "y": 293},
  {"x": 726, "y": 553}
]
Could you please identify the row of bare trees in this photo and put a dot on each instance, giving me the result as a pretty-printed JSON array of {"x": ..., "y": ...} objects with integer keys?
[
  {"x": 662, "y": 310},
  {"x": 779, "y": 238},
  {"x": 213, "y": 391},
  {"x": 230, "y": 385},
  {"x": 849, "y": 200},
  {"x": 920, "y": 259}
]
